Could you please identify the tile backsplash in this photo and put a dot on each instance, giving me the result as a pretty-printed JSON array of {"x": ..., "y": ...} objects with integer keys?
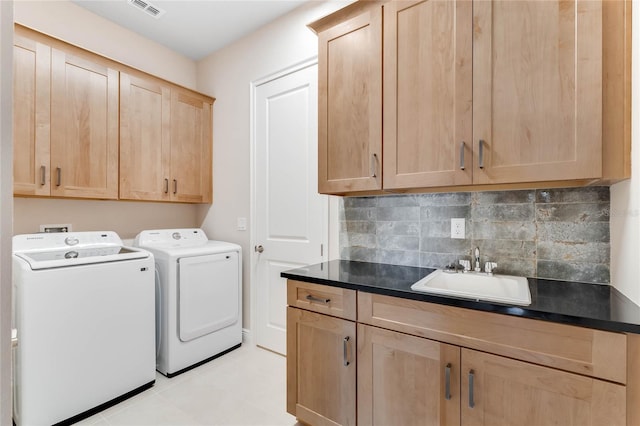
[{"x": 558, "y": 234}]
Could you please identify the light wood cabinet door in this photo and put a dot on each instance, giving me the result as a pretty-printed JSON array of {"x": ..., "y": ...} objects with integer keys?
[
  {"x": 537, "y": 90},
  {"x": 427, "y": 93},
  {"x": 350, "y": 105},
  {"x": 321, "y": 368},
  {"x": 406, "y": 380},
  {"x": 31, "y": 116},
  {"x": 510, "y": 392},
  {"x": 191, "y": 147},
  {"x": 84, "y": 128},
  {"x": 145, "y": 139}
]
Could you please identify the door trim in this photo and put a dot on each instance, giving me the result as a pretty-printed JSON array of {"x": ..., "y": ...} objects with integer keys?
[{"x": 253, "y": 311}]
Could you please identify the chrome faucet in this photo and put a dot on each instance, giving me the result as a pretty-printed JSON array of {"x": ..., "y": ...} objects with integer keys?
[{"x": 477, "y": 260}]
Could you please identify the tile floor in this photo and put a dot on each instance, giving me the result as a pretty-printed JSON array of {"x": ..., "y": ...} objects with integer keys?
[{"x": 246, "y": 387}]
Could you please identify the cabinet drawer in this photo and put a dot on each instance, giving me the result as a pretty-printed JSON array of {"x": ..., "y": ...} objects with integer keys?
[
  {"x": 338, "y": 302},
  {"x": 581, "y": 350}
]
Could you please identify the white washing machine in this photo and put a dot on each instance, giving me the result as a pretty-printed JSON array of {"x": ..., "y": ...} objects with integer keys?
[
  {"x": 198, "y": 297},
  {"x": 84, "y": 311}
]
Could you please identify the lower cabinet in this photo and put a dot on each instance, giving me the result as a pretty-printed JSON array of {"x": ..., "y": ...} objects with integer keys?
[
  {"x": 426, "y": 364},
  {"x": 321, "y": 368},
  {"x": 406, "y": 380}
]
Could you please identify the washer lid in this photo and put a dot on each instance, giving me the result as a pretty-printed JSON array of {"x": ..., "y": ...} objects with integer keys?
[{"x": 43, "y": 251}]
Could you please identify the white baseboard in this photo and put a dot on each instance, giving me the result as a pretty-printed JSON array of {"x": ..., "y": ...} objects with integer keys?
[{"x": 247, "y": 338}]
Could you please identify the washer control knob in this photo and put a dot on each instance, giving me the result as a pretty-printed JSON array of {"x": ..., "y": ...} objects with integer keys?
[
  {"x": 71, "y": 241},
  {"x": 176, "y": 236}
]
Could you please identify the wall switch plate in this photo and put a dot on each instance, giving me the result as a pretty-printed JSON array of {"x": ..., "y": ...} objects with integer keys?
[
  {"x": 60, "y": 227},
  {"x": 242, "y": 224},
  {"x": 457, "y": 228}
]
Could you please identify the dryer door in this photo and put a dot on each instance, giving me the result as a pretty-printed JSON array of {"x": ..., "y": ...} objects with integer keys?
[{"x": 208, "y": 294}]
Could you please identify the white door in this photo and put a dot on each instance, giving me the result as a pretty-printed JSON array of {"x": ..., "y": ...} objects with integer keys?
[{"x": 290, "y": 216}]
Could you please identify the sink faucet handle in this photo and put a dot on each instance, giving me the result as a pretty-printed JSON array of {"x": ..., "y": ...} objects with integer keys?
[
  {"x": 489, "y": 267},
  {"x": 466, "y": 264}
]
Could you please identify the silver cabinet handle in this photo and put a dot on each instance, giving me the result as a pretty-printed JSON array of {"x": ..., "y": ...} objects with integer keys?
[
  {"x": 447, "y": 382},
  {"x": 43, "y": 175},
  {"x": 175, "y": 186},
  {"x": 58, "y": 176},
  {"x": 345, "y": 351},
  {"x": 311, "y": 298},
  {"x": 471, "y": 401},
  {"x": 374, "y": 165},
  {"x": 166, "y": 186},
  {"x": 462, "y": 155},
  {"x": 481, "y": 154}
]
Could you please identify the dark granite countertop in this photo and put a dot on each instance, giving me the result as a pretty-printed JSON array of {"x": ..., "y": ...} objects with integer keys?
[{"x": 589, "y": 305}]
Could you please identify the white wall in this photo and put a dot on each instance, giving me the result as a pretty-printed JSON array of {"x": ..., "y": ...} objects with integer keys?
[
  {"x": 67, "y": 21},
  {"x": 6, "y": 191},
  {"x": 625, "y": 196},
  {"x": 228, "y": 74}
]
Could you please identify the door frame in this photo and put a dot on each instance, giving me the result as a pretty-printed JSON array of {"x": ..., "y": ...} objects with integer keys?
[{"x": 248, "y": 335}]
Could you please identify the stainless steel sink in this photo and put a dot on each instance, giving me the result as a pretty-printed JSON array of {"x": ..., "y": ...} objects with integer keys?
[{"x": 508, "y": 289}]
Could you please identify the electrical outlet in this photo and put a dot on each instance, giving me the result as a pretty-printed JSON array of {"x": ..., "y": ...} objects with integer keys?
[{"x": 457, "y": 228}]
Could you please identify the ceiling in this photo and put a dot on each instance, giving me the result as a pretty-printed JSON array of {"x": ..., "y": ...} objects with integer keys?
[{"x": 195, "y": 28}]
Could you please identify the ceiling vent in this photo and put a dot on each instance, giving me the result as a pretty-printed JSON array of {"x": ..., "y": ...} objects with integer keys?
[{"x": 147, "y": 8}]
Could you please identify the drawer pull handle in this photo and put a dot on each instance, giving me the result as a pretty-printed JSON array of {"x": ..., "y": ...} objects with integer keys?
[
  {"x": 43, "y": 175},
  {"x": 472, "y": 403},
  {"x": 345, "y": 351},
  {"x": 481, "y": 155},
  {"x": 175, "y": 186},
  {"x": 462, "y": 155},
  {"x": 311, "y": 298},
  {"x": 58, "y": 176},
  {"x": 447, "y": 382},
  {"x": 166, "y": 186}
]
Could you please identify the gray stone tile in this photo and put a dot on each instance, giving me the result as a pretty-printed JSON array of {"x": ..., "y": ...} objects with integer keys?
[
  {"x": 359, "y": 226},
  {"x": 359, "y": 213},
  {"x": 398, "y": 242},
  {"x": 521, "y": 231},
  {"x": 444, "y": 199},
  {"x": 444, "y": 245},
  {"x": 350, "y": 202},
  {"x": 359, "y": 254},
  {"x": 398, "y": 213},
  {"x": 574, "y": 252},
  {"x": 397, "y": 201},
  {"x": 596, "y": 273},
  {"x": 437, "y": 260},
  {"x": 575, "y": 212},
  {"x": 573, "y": 195},
  {"x": 577, "y": 232},
  {"x": 494, "y": 249},
  {"x": 436, "y": 229},
  {"x": 504, "y": 197},
  {"x": 361, "y": 240},
  {"x": 397, "y": 228},
  {"x": 513, "y": 266},
  {"x": 399, "y": 257},
  {"x": 430, "y": 213},
  {"x": 503, "y": 212}
]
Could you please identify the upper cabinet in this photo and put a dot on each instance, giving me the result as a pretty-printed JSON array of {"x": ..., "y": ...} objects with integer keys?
[
  {"x": 350, "y": 104},
  {"x": 31, "y": 117},
  {"x": 477, "y": 94},
  {"x": 84, "y": 128},
  {"x": 427, "y": 93},
  {"x": 165, "y": 141},
  {"x": 89, "y": 127}
]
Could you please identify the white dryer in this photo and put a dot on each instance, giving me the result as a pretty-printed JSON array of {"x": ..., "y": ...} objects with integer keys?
[{"x": 198, "y": 297}]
